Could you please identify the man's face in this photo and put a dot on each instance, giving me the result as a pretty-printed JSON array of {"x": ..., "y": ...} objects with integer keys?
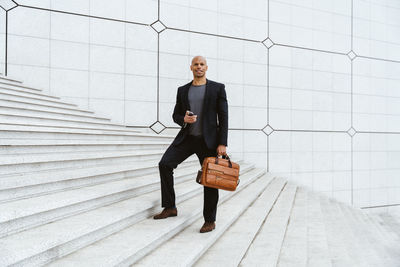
[{"x": 199, "y": 67}]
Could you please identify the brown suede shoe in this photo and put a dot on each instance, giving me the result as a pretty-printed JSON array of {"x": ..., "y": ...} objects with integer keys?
[
  {"x": 167, "y": 212},
  {"x": 207, "y": 227}
]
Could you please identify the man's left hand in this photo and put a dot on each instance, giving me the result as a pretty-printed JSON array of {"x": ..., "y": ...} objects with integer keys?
[{"x": 221, "y": 150}]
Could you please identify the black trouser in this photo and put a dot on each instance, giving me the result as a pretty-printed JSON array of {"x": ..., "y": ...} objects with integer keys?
[{"x": 175, "y": 155}]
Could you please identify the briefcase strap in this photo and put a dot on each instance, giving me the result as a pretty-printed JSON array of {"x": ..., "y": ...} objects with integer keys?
[{"x": 226, "y": 157}]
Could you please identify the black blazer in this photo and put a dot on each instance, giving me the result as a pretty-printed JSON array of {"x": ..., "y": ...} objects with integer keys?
[{"x": 215, "y": 114}]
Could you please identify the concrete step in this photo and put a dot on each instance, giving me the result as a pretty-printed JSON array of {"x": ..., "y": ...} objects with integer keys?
[
  {"x": 25, "y": 185},
  {"x": 188, "y": 246},
  {"x": 392, "y": 225},
  {"x": 11, "y": 80},
  {"x": 17, "y": 85},
  {"x": 392, "y": 249},
  {"x": 338, "y": 236},
  {"x": 21, "y": 147},
  {"x": 378, "y": 229},
  {"x": 371, "y": 247},
  {"x": 377, "y": 226},
  {"x": 231, "y": 247},
  {"x": 266, "y": 246},
  {"x": 30, "y": 113},
  {"x": 21, "y": 109},
  {"x": 54, "y": 101},
  {"x": 294, "y": 250},
  {"x": 113, "y": 221},
  {"x": 360, "y": 248},
  {"x": 43, "y": 158},
  {"x": 59, "y": 121},
  {"x": 378, "y": 236},
  {"x": 33, "y": 101},
  {"x": 317, "y": 244},
  {"x": 26, "y": 213},
  {"x": 16, "y": 90},
  {"x": 28, "y": 132},
  {"x": 22, "y": 163},
  {"x": 391, "y": 235}
]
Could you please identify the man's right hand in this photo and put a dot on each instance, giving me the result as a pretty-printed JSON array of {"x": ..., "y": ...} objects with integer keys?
[{"x": 189, "y": 119}]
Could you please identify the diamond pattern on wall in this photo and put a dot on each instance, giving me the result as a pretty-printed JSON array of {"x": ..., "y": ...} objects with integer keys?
[
  {"x": 268, "y": 130},
  {"x": 158, "y": 26},
  {"x": 7, "y": 4},
  {"x": 351, "y": 131},
  {"x": 157, "y": 127},
  {"x": 351, "y": 55},
  {"x": 268, "y": 43}
]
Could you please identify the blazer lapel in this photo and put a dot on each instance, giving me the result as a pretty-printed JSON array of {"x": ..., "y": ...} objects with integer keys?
[
  {"x": 206, "y": 95},
  {"x": 186, "y": 96}
]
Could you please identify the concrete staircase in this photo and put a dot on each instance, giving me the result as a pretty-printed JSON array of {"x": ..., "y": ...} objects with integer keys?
[{"x": 78, "y": 190}]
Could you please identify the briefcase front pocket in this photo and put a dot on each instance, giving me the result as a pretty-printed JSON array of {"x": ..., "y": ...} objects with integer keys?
[
  {"x": 221, "y": 181},
  {"x": 223, "y": 170}
]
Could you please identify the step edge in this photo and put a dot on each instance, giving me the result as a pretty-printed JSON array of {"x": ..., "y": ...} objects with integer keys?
[
  {"x": 23, "y": 91},
  {"x": 60, "y": 102},
  {"x": 68, "y": 158},
  {"x": 50, "y": 120},
  {"x": 60, "y": 113},
  {"x": 49, "y": 106},
  {"x": 81, "y": 131},
  {"x": 11, "y": 79}
]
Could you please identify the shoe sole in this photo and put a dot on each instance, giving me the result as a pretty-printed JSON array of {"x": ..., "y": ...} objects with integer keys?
[{"x": 165, "y": 217}]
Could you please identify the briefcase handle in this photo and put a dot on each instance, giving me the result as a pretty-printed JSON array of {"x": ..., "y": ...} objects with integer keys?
[{"x": 224, "y": 157}]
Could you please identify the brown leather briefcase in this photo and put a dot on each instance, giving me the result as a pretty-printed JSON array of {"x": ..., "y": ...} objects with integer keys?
[{"x": 219, "y": 173}]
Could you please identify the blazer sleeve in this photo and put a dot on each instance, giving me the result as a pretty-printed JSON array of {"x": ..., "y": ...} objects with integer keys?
[
  {"x": 222, "y": 110},
  {"x": 178, "y": 110}
]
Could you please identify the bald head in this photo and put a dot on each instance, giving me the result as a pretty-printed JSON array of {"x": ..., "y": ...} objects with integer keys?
[{"x": 199, "y": 58}]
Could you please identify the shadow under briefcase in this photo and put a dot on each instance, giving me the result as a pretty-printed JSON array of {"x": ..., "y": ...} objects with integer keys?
[{"x": 219, "y": 173}]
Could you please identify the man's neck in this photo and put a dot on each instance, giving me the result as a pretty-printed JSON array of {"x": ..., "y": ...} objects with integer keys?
[{"x": 199, "y": 81}]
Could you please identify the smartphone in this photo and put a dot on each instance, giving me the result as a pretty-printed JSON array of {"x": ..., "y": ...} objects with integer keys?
[{"x": 190, "y": 113}]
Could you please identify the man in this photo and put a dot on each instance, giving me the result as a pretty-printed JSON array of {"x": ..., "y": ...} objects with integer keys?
[{"x": 202, "y": 110}]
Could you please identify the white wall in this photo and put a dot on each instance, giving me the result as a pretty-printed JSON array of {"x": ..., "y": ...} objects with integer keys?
[{"x": 104, "y": 55}]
